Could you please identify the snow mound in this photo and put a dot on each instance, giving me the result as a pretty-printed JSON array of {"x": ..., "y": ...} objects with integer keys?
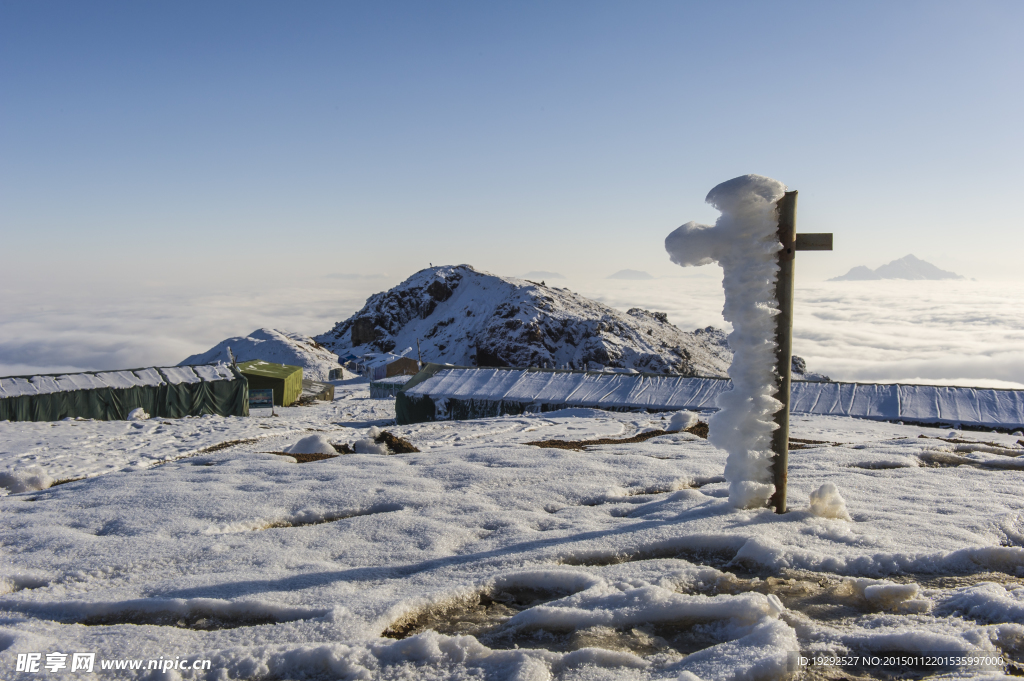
[
  {"x": 138, "y": 414},
  {"x": 29, "y": 479},
  {"x": 826, "y": 502},
  {"x": 311, "y": 444},
  {"x": 744, "y": 242},
  {"x": 367, "y": 444},
  {"x": 468, "y": 318},
  {"x": 273, "y": 345},
  {"x": 682, "y": 420}
]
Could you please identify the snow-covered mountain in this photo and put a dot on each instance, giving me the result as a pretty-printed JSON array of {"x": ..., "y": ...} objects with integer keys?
[
  {"x": 461, "y": 316},
  {"x": 907, "y": 267},
  {"x": 465, "y": 317},
  {"x": 273, "y": 345}
]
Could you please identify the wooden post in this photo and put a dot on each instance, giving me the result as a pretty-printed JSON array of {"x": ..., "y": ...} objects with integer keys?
[{"x": 784, "y": 346}]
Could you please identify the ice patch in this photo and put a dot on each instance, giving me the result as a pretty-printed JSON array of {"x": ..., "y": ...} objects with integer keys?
[{"x": 743, "y": 241}]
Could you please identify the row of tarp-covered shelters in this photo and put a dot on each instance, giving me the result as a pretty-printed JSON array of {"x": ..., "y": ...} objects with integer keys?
[
  {"x": 444, "y": 392},
  {"x": 169, "y": 392}
]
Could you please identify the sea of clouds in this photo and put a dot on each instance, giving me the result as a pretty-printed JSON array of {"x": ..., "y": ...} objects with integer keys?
[
  {"x": 112, "y": 327},
  {"x": 943, "y": 332}
]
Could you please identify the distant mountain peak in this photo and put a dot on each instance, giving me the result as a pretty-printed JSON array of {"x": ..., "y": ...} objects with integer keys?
[
  {"x": 908, "y": 267},
  {"x": 635, "y": 275}
]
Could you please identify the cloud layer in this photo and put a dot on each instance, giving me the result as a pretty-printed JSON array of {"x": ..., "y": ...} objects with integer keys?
[
  {"x": 953, "y": 332},
  {"x": 944, "y": 332},
  {"x": 107, "y": 328}
]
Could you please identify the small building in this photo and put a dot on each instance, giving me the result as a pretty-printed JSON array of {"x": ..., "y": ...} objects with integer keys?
[
  {"x": 388, "y": 387},
  {"x": 164, "y": 392},
  {"x": 316, "y": 390},
  {"x": 378, "y": 365},
  {"x": 285, "y": 380}
]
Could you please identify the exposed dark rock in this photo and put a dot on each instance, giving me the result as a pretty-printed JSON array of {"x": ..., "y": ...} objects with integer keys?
[
  {"x": 395, "y": 444},
  {"x": 364, "y": 331},
  {"x": 439, "y": 290},
  {"x": 488, "y": 358}
]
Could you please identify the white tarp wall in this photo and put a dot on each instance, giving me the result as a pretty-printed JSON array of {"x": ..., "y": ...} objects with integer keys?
[
  {"x": 885, "y": 402},
  {"x": 46, "y": 384},
  {"x": 633, "y": 391}
]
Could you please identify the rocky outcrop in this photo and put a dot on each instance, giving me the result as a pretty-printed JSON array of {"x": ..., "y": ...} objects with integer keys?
[{"x": 465, "y": 317}]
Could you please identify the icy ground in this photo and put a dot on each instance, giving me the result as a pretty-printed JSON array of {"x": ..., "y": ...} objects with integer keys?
[{"x": 485, "y": 557}]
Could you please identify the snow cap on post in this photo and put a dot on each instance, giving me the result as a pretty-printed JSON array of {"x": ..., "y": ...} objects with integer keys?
[
  {"x": 744, "y": 242},
  {"x": 743, "y": 202}
]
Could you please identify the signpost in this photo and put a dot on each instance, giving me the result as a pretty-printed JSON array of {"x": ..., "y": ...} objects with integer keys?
[
  {"x": 791, "y": 242},
  {"x": 262, "y": 398}
]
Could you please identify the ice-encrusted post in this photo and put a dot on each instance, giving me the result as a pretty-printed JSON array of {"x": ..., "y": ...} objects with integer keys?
[
  {"x": 744, "y": 241},
  {"x": 784, "y": 346},
  {"x": 754, "y": 241}
]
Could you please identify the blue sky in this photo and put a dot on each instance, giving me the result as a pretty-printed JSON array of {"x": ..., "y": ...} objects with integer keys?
[{"x": 225, "y": 139}]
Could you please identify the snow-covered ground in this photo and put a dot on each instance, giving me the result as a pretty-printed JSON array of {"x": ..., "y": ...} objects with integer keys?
[{"x": 482, "y": 556}]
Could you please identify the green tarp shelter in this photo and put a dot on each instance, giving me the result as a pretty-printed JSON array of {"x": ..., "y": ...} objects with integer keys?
[
  {"x": 166, "y": 392},
  {"x": 285, "y": 380}
]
